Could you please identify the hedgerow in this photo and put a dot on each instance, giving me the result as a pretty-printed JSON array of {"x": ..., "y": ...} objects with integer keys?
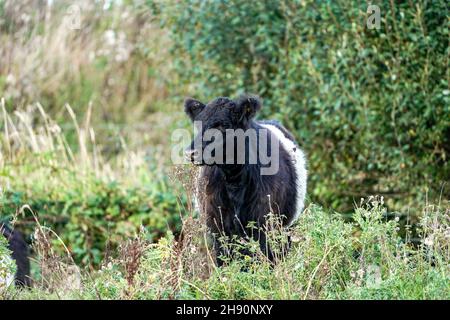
[{"x": 370, "y": 106}]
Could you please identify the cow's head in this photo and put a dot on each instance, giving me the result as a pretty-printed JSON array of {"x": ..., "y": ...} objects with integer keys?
[{"x": 216, "y": 118}]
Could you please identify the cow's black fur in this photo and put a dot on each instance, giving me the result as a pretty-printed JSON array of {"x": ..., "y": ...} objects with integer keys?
[
  {"x": 234, "y": 195},
  {"x": 20, "y": 254}
]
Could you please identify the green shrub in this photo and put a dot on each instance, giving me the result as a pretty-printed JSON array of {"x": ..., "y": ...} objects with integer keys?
[
  {"x": 370, "y": 106},
  {"x": 91, "y": 215}
]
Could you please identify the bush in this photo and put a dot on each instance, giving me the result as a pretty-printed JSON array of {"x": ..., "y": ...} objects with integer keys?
[
  {"x": 370, "y": 106},
  {"x": 94, "y": 219}
]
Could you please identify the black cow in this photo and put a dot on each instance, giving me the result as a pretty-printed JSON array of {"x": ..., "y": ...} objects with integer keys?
[{"x": 233, "y": 194}]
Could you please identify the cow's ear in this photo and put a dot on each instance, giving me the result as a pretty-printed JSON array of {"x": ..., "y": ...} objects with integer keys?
[
  {"x": 246, "y": 107},
  {"x": 193, "y": 107}
]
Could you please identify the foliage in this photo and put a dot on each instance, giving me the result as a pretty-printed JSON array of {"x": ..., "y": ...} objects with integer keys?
[
  {"x": 7, "y": 265},
  {"x": 91, "y": 202},
  {"x": 94, "y": 216},
  {"x": 370, "y": 106},
  {"x": 328, "y": 260}
]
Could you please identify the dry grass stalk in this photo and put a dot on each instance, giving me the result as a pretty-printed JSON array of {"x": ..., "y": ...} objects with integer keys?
[
  {"x": 59, "y": 274},
  {"x": 131, "y": 253}
]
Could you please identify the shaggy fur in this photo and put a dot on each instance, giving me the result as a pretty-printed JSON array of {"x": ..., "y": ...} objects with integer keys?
[{"x": 233, "y": 195}]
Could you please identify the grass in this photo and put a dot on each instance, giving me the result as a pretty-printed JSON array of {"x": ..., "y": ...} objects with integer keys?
[
  {"x": 117, "y": 59},
  {"x": 330, "y": 259}
]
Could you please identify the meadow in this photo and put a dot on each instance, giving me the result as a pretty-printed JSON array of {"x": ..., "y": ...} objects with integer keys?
[{"x": 92, "y": 91}]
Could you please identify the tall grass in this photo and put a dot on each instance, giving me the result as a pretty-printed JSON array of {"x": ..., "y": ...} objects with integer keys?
[
  {"x": 329, "y": 259},
  {"x": 116, "y": 59}
]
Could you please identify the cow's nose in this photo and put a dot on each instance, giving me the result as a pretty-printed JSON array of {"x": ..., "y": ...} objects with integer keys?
[{"x": 191, "y": 154}]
